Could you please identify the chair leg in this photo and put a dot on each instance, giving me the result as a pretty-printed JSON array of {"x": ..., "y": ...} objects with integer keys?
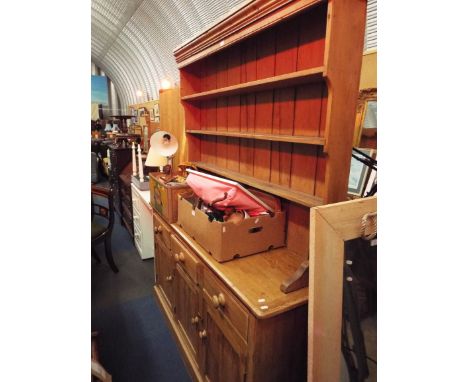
[
  {"x": 95, "y": 255},
  {"x": 109, "y": 257}
]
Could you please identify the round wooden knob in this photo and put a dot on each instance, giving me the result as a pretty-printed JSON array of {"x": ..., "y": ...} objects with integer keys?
[
  {"x": 158, "y": 229},
  {"x": 181, "y": 257},
  {"x": 169, "y": 278},
  {"x": 221, "y": 299},
  {"x": 195, "y": 320},
  {"x": 176, "y": 257},
  {"x": 203, "y": 334},
  {"x": 215, "y": 301}
]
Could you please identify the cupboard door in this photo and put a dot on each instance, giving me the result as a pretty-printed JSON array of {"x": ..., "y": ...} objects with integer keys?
[
  {"x": 165, "y": 274},
  {"x": 223, "y": 351},
  {"x": 187, "y": 308}
]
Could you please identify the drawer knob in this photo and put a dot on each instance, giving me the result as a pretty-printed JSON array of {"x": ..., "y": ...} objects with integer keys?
[
  {"x": 158, "y": 229},
  {"x": 179, "y": 257},
  {"x": 203, "y": 334},
  {"x": 169, "y": 278},
  {"x": 215, "y": 301},
  {"x": 195, "y": 319},
  {"x": 221, "y": 299}
]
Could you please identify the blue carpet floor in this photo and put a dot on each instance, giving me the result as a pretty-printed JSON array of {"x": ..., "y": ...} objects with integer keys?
[
  {"x": 136, "y": 345},
  {"x": 134, "y": 341}
]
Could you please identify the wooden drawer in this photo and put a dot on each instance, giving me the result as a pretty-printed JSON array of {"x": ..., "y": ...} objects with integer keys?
[
  {"x": 162, "y": 231},
  {"x": 219, "y": 298},
  {"x": 186, "y": 259}
]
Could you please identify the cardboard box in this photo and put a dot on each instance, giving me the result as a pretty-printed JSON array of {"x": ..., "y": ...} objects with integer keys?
[
  {"x": 163, "y": 196},
  {"x": 226, "y": 240}
]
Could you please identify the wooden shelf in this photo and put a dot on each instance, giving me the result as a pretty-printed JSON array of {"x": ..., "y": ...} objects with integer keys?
[
  {"x": 275, "y": 189},
  {"x": 284, "y": 80},
  {"x": 265, "y": 137}
]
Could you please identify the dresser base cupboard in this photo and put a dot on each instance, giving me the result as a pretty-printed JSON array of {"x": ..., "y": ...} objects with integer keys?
[{"x": 219, "y": 336}]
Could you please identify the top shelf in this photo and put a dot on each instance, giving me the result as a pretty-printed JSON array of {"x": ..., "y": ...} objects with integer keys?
[{"x": 281, "y": 81}]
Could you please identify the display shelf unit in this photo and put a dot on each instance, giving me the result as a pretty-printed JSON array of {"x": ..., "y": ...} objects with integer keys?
[{"x": 269, "y": 97}]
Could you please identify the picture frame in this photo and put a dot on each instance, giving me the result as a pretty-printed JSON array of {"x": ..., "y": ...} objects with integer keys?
[
  {"x": 366, "y": 124},
  {"x": 141, "y": 111},
  {"x": 330, "y": 227},
  {"x": 151, "y": 115},
  {"x": 156, "y": 109},
  {"x": 359, "y": 174}
]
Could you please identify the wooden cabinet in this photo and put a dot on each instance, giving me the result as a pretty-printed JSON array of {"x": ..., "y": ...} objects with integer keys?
[
  {"x": 223, "y": 351},
  {"x": 231, "y": 320},
  {"x": 165, "y": 274},
  {"x": 188, "y": 314}
]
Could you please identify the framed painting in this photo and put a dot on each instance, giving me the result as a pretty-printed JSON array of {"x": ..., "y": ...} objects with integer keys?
[
  {"x": 141, "y": 111},
  {"x": 156, "y": 109}
]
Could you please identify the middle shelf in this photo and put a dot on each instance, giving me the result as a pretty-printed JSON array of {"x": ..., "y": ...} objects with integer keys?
[
  {"x": 275, "y": 82},
  {"x": 265, "y": 137}
]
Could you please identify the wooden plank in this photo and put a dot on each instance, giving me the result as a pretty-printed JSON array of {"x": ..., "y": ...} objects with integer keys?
[
  {"x": 266, "y": 137},
  {"x": 234, "y": 65},
  {"x": 312, "y": 26},
  {"x": 320, "y": 173},
  {"x": 263, "y": 124},
  {"x": 287, "y": 37},
  {"x": 266, "y": 54},
  {"x": 253, "y": 85},
  {"x": 284, "y": 192},
  {"x": 303, "y": 167},
  {"x": 249, "y": 61},
  {"x": 221, "y": 114},
  {"x": 246, "y": 151},
  {"x": 307, "y": 109},
  {"x": 233, "y": 150},
  {"x": 344, "y": 38},
  {"x": 190, "y": 80},
  {"x": 326, "y": 299},
  {"x": 298, "y": 229},
  {"x": 234, "y": 122},
  {"x": 192, "y": 116},
  {"x": 210, "y": 114},
  {"x": 208, "y": 81}
]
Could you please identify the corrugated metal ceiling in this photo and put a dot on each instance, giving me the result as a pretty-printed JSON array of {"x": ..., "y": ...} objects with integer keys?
[{"x": 133, "y": 40}]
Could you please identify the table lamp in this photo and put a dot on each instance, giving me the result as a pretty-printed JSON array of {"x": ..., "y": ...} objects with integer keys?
[{"x": 154, "y": 159}]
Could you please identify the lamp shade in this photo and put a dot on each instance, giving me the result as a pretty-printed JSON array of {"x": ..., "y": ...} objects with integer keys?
[{"x": 154, "y": 159}]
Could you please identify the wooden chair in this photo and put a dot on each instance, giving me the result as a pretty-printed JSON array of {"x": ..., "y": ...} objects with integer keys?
[{"x": 101, "y": 232}]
